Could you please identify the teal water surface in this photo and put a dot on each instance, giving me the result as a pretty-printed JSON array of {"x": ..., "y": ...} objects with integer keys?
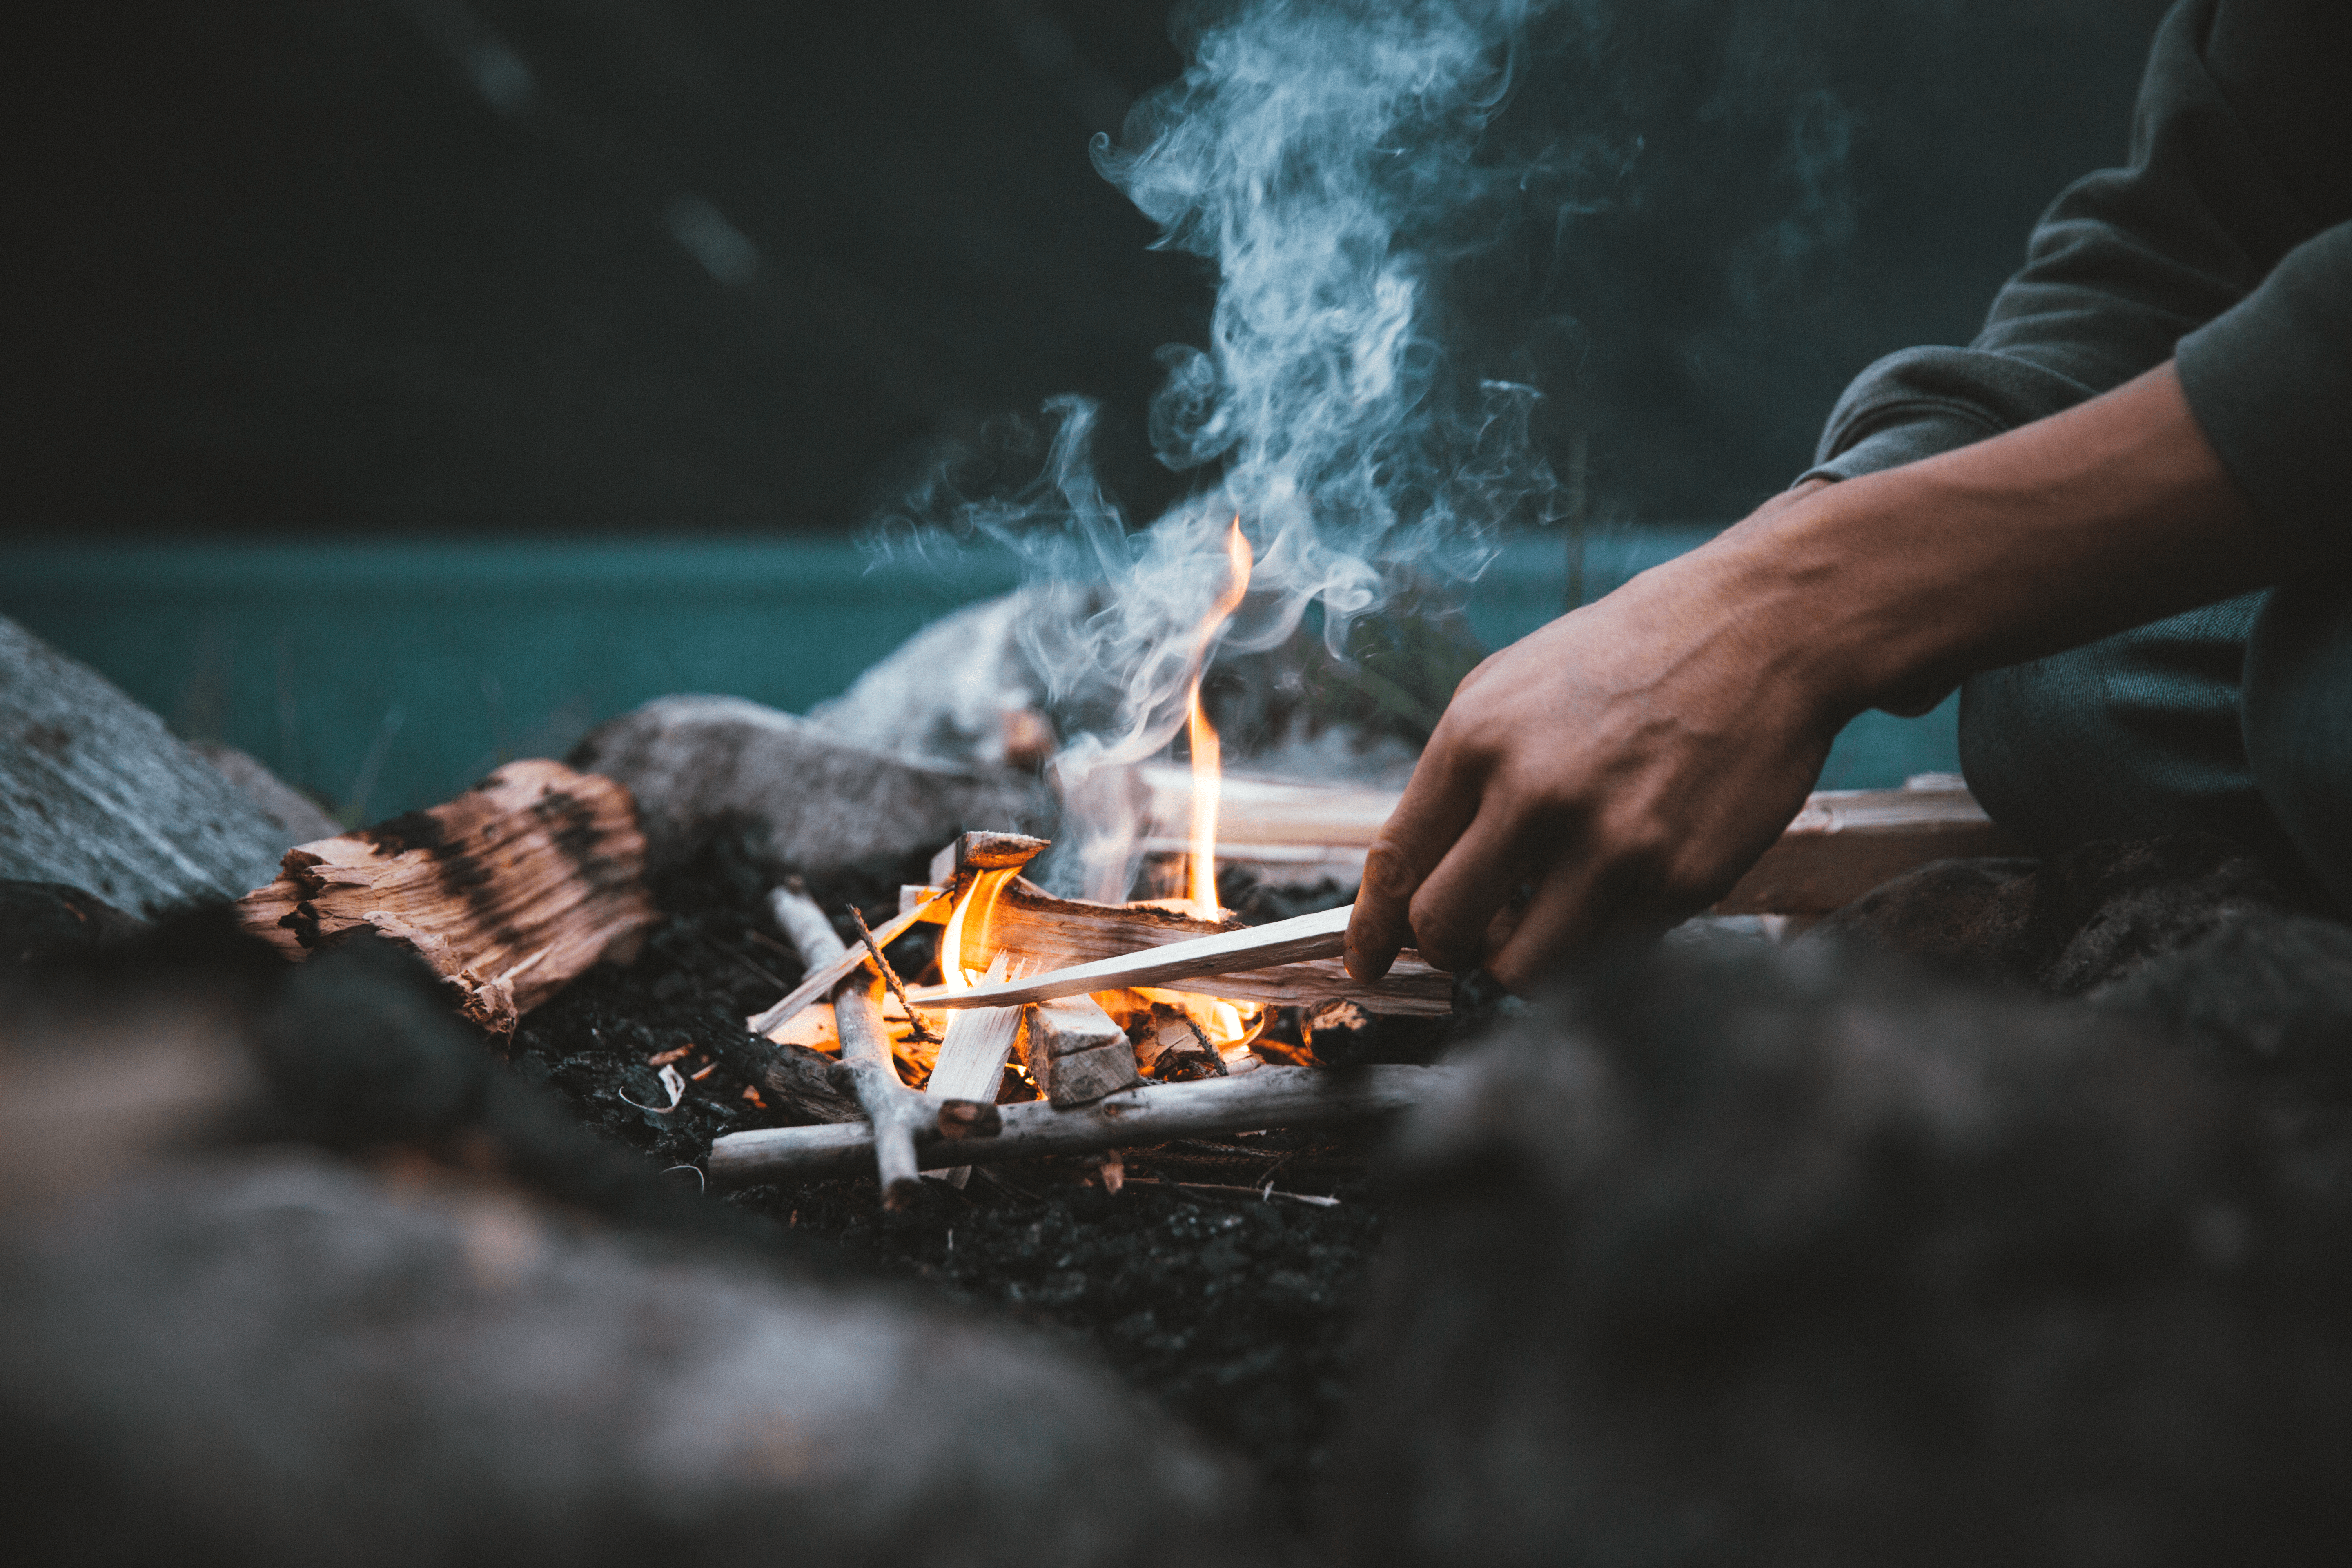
[{"x": 384, "y": 677}]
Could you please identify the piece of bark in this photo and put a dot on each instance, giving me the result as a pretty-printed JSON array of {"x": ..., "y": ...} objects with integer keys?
[
  {"x": 303, "y": 819},
  {"x": 1051, "y": 933},
  {"x": 97, "y": 794},
  {"x": 508, "y": 892},
  {"x": 1270, "y": 1097},
  {"x": 697, "y": 763}
]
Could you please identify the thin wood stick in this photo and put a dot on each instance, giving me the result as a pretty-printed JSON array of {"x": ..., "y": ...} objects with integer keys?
[
  {"x": 1319, "y": 935},
  {"x": 890, "y": 1118},
  {"x": 824, "y": 977},
  {"x": 1270, "y": 1097},
  {"x": 890, "y": 978}
]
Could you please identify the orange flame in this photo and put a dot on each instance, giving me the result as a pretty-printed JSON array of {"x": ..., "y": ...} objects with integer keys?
[
  {"x": 957, "y": 969},
  {"x": 1208, "y": 769}
]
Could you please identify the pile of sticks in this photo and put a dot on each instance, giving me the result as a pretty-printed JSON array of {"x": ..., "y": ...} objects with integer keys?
[{"x": 1044, "y": 957}]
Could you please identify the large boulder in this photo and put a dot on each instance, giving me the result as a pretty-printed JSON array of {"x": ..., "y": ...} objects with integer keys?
[
  {"x": 2087, "y": 919},
  {"x": 96, "y": 793},
  {"x": 293, "y": 1271},
  {"x": 700, "y": 764},
  {"x": 1762, "y": 1257},
  {"x": 279, "y": 1359}
]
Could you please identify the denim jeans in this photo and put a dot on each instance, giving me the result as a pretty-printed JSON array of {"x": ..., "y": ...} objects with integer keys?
[{"x": 2234, "y": 719}]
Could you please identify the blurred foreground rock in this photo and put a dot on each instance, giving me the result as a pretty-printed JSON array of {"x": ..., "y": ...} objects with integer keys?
[
  {"x": 282, "y": 1359},
  {"x": 495, "y": 1340},
  {"x": 2067, "y": 926},
  {"x": 696, "y": 764},
  {"x": 95, "y": 792},
  {"x": 1794, "y": 1257}
]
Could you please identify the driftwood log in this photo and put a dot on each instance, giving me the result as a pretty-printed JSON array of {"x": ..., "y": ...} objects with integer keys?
[
  {"x": 508, "y": 892},
  {"x": 1846, "y": 842},
  {"x": 1270, "y": 1097},
  {"x": 1840, "y": 847}
]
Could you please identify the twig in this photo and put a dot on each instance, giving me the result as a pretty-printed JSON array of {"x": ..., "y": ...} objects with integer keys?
[
  {"x": 891, "y": 975},
  {"x": 828, "y": 972},
  {"x": 1270, "y": 1097}
]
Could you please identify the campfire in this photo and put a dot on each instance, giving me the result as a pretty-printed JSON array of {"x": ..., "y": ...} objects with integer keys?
[{"x": 1050, "y": 1025}]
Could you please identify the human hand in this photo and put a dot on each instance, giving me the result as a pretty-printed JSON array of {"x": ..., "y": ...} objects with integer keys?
[{"x": 1621, "y": 768}]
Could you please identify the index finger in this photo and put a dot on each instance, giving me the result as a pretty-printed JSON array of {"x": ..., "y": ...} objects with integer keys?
[{"x": 1438, "y": 804}]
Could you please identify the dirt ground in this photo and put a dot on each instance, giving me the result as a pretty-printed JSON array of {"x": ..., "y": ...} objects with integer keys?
[{"x": 1221, "y": 1277}]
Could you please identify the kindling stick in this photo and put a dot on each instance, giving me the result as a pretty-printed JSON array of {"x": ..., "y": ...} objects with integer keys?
[
  {"x": 824, "y": 973},
  {"x": 1319, "y": 935},
  {"x": 1270, "y": 1097}
]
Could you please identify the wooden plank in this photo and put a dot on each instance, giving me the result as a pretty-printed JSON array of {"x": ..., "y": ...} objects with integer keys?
[
  {"x": 1840, "y": 846},
  {"x": 1846, "y": 842}
]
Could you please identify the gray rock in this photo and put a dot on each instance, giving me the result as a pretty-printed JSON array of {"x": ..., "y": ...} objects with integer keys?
[
  {"x": 2267, "y": 995},
  {"x": 303, "y": 818},
  {"x": 1793, "y": 1257},
  {"x": 96, "y": 793},
  {"x": 966, "y": 688},
  {"x": 696, "y": 764},
  {"x": 2087, "y": 919},
  {"x": 280, "y": 1359}
]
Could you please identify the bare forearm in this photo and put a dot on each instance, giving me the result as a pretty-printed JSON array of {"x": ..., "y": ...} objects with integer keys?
[
  {"x": 1622, "y": 766},
  {"x": 2108, "y": 516}
]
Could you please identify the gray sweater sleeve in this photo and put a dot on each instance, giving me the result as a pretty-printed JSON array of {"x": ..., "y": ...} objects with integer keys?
[{"x": 2206, "y": 243}]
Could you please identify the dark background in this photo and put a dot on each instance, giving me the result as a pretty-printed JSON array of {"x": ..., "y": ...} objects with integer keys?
[{"x": 399, "y": 266}]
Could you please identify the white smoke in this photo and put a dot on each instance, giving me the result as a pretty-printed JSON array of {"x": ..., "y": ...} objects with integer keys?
[{"x": 1321, "y": 155}]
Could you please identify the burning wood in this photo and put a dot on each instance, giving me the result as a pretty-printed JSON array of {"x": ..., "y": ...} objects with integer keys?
[
  {"x": 1223, "y": 955},
  {"x": 1273, "y": 1097},
  {"x": 508, "y": 892},
  {"x": 1076, "y": 1053}
]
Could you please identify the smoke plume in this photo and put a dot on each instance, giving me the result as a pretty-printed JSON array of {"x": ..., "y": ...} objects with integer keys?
[{"x": 1324, "y": 158}]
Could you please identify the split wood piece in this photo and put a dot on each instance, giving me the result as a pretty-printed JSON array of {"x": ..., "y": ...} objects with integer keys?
[
  {"x": 1226, "y": 955},
  {"x": 1076, "y": 1052},
  {"x": 1052, "y": 933},
  {"x": 508, "y": 892},
  {"x": 1271, "y": 1097},
  {"x": 971, "y": 1063},
  {"x": 973, "y": 852},
  {"x": 823, "y": 977},
  {"x": 1846, "y": 842}
]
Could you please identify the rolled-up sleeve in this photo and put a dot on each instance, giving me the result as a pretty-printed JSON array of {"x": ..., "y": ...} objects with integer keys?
[
  {"x": 2270, "y": 381},
  {"x": 2196, "y": 248}
]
